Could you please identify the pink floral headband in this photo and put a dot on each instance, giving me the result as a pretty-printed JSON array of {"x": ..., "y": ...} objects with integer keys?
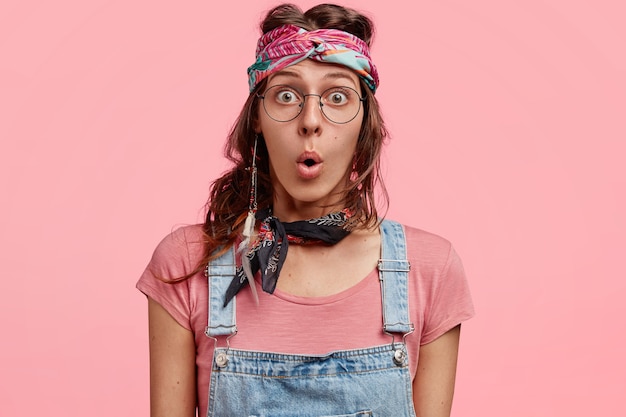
[{"x": 288, "y": 44}]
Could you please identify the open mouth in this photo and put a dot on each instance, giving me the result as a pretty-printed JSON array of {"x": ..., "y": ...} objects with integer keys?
[{"x": 309, "y": 164}]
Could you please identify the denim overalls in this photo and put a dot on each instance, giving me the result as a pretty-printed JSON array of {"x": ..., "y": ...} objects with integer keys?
[{"x": 372, "y": 381}]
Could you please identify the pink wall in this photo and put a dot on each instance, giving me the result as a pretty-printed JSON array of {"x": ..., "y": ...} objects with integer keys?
[{"x": 509, "y": 134}]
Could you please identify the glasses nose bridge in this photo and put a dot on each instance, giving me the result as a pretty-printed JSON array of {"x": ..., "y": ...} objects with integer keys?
[
  {"x": 320, "y": 105},
  {"x": 304, "y": 99}
]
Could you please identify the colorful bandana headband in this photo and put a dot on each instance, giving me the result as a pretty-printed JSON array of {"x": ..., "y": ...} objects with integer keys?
[{"x": 288, "y": 44}]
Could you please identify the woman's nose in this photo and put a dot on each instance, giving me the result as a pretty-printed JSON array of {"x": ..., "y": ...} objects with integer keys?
[{"x": 311, "y": 117}]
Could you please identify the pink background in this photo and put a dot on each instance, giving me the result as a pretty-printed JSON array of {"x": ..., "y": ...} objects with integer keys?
[{"x": 508, "y": 134}]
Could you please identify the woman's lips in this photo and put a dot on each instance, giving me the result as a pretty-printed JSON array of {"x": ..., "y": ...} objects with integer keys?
[{"x": 309, "y": 165}]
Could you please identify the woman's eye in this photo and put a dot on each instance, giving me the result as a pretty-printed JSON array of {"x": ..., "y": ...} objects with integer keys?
[
  {"x": 286, "y": 97},
  {"x": 337, "y": 98}
]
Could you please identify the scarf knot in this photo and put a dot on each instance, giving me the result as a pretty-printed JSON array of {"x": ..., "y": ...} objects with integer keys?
[{"x": 268, "y": 252}]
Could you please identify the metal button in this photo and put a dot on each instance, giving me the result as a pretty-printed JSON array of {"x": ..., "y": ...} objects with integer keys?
[
  {"x": 398, "y": 357},
  {"x": 221, "y": 360}
]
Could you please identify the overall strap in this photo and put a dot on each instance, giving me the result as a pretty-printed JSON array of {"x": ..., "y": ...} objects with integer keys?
[
  {"x": 393, "y": 268},
  {"x": 220, "y": 272}
]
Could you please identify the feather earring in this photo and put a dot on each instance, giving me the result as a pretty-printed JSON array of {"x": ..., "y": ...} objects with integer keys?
[{"x": 248, "y": 227}]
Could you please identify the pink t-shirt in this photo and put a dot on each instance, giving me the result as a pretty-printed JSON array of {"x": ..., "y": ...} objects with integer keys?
[{"x": 439, "y": 299}]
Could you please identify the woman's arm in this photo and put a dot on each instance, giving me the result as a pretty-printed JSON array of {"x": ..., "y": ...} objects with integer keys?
[
  {"x": 433, "y": 387},
  {"x": 172, "y": 365}
]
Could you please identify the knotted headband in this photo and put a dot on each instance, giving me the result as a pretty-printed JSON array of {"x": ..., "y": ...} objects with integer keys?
[{"x": 288, "y": 44}]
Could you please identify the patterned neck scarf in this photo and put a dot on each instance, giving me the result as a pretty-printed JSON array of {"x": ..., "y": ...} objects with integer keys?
[
  {"x": 268, "y": 252},
  {"x": 288, "y": 44}
]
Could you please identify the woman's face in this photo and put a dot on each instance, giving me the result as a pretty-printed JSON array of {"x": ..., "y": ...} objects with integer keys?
[{"x": 310, "y": 156}]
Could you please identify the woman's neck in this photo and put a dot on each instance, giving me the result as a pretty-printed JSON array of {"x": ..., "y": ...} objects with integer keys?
[{"x": 295, "y": 211}]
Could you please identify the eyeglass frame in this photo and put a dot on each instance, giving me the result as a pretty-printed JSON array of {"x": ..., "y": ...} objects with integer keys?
[{"x": 304, "y": 96}]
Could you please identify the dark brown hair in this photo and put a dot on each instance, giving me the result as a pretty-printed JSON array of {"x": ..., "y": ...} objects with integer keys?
[{"x": 229, "y": 197}]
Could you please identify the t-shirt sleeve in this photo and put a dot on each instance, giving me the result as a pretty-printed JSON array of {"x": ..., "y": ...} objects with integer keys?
[
  {"x": 450, "y": 303},
  {"x": 160, "y": 281}
]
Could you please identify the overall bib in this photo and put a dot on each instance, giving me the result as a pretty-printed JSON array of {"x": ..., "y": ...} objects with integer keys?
[{"x": 373, "y": 381}]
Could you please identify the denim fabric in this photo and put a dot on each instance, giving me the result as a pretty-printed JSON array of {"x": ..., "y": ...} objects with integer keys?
[{"x": 373, "y": 381}]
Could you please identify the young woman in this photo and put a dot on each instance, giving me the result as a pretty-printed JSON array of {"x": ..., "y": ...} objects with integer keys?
[{"x": 294, "y": 298}]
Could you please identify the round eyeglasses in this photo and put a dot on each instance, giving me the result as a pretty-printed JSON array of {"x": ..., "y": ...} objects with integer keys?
[{"x": 284, "y": 103}]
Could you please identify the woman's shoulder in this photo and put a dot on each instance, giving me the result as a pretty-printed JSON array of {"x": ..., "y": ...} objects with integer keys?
[
  {"x": 181, "y": 250},
  {"x": 182, "y": 239},
  {"x": 427, "y": 247},
  {"x": 186, "y": 234},
  {"x": 421, "y": 237},
  {"x": 166, "y": 278}
]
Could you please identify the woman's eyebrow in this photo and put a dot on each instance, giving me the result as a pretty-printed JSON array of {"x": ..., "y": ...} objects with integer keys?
[
  {"x": 339, "y": 75},
  {"x": 287, "y": 73}
]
